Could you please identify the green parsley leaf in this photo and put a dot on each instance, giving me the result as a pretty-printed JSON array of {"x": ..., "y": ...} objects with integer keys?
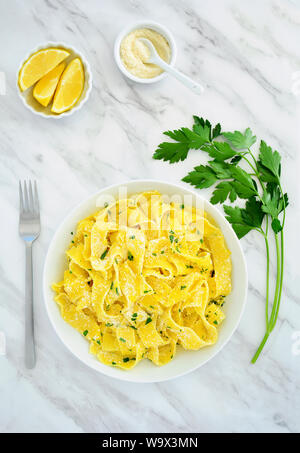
[
  {"x": 220, "y": 151},
  {"x": 240, "y": 140},
  {"x": 186, "y": 139},
  {"x": 201, "y": 177},
  {"x": 269, "y": 160},
  {"x": 222, "y": 191},
  {"x": 234, "y": 216}
]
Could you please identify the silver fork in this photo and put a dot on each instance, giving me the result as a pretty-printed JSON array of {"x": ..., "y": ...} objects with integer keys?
[{"x": 29, "y": 230}]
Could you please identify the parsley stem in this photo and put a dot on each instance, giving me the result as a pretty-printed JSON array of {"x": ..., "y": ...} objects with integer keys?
[
  {"x": 281, "y": 280},
  {"x": 256, "y": 172},
  {"x": 275, "y": 305},
  {"x": 260, "y": 348},
  {"x": 265, "y": 235},
  {"x": 268, "y": 275},
  {"x": 278, "y": 272},
  {"x": 281, "y": 261}
]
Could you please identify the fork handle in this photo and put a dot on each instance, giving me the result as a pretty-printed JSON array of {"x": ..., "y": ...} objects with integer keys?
[{"x": 29, "y": 330}]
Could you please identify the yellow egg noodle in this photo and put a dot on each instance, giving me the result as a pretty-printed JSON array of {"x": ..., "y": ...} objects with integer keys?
[{"x": 145, "y": 275}]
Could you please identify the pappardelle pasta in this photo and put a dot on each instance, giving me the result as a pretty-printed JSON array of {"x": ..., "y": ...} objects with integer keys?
[{"x": 144, "y": 276}]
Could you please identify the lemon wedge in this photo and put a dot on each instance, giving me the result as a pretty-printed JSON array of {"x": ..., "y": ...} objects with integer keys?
[
  {"x": 39, "y": 64},
  {"x": 69, "y": 87},
  {"x": 44, "y": 90}
]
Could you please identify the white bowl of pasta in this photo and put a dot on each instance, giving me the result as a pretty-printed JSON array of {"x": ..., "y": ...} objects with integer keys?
[{"x": 136, "y": 278}]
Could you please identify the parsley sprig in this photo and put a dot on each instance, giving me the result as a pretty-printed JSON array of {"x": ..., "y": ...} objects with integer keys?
[{"x": 260, "y": 186}]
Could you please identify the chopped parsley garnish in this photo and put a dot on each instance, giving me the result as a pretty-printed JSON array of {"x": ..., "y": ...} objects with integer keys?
[
  {"x": 131, "y": 237},
  {"x": 109, "y": 324},
  {"x": 112, "y": 285},
  {"x": 99, "y": 343},
  {"x": 154, "y": 254},
  {"x": 73, "y": 242},
  {"x": 85, "y": 333},
  {"x": 148, "y": 320},
  {"x": 133, "y": 317},
  {"x": 215, "y": 322},
  {"x": 183, "y": 287},
  {"x": 147, "y": 291},
  {"x": 182, "y": 206},
  {"x": 113, "y": 363},
  {"x": 122, "y": 339},
  {"x": 130, "y": 256},
  {"x": 117, "y": 291},
  {"x": 126, "y": 359},
  {"x": 104, "y": 254},
  {"x": 133, "y": 327},
  {"x": 189, "y": 266}
]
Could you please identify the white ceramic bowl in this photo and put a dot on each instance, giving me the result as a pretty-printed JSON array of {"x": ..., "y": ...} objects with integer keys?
[
  {"x": 156, "y": 27},
  {"x": 145, "y": 371},
  {"x": 33, "y": 105}
]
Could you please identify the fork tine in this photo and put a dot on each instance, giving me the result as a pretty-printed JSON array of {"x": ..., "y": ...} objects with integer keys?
[
  {"x": 26, "y": 203},
  {"x": 21, "y": 197},
  {"x": 31, "y": 204},
  {"x": 36, "y": 199}
]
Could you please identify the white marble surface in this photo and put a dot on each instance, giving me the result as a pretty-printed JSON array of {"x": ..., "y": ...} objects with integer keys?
[{"x": 247, "y": 55}]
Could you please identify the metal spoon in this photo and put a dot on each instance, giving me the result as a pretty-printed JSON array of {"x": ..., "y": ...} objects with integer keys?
[{"x": 155, "y": 59}]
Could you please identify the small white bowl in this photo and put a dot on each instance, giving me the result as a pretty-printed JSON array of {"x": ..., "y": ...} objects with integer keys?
[
  {"x": 184, "y": 361},
  {"x": 33, "y": 105},
  {"x": 156, "y": 27}
]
